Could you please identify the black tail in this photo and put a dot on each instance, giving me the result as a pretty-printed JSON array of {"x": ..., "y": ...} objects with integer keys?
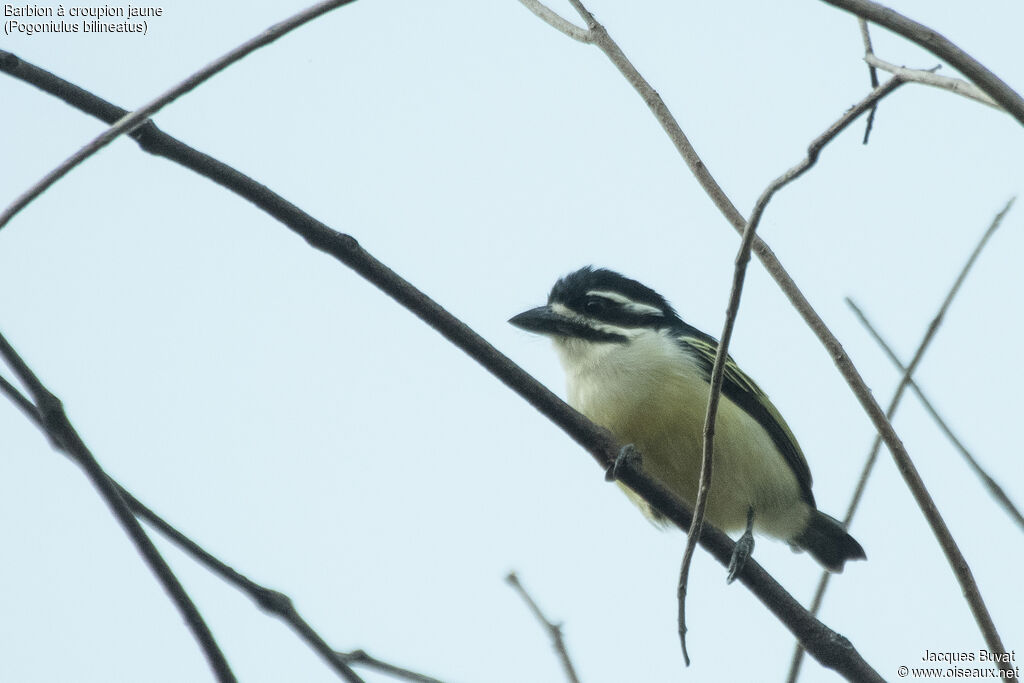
[{"x": 827, "y": 540}]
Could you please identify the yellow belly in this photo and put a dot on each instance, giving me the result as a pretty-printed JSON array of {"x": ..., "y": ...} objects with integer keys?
[{"x": 660, "y": 409}]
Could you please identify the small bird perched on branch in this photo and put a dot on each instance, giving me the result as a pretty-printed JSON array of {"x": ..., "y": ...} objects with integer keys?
[{"x": 635, "y": 368}]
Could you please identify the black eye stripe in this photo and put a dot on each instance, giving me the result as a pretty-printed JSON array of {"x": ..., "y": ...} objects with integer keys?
[{"x": 607, "y": 310}]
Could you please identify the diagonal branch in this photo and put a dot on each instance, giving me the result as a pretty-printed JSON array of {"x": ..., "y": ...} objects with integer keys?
[
  {"x": 908, "y": 372},
  {"x": 829, "y": 647},
  {"x": 128, "y": 122},
  {"x": 55, "y": 424},
  {"x": 270, "y": 600},
  {"x": 993, "y": 487}
]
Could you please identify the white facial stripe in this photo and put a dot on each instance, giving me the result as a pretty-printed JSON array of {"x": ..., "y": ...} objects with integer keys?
[
  {"x": 626, "y": 302},
  {"x": 562, "y": 309}
]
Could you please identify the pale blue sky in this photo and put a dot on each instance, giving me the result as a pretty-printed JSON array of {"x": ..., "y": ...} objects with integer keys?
[{"x": 308, "y": 431}]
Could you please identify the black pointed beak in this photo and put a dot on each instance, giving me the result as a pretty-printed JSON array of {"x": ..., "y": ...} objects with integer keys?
[
  {"x": 545, "y": 320},
  {"x": 541, "y": 320}
]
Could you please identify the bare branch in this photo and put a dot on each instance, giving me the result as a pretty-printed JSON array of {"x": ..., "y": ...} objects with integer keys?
[
  {"x": 554, "y": 630},
  {"x": 994, "y": 488},
  {"x": 732, "y": 309},
  {"x": 829, "y": 647},
  {"x": 270, "y": 600},
  {"x": 872, "y": 74},
  {"x": 360, "y": 657},
  {"x": 557, "y": 22},
  {"x": 55, "y": 425},
  {"x": 131, "y": 121},
  {"x": 955, "y": 85},
  {"x": 941, "y": 47},
  {"x": 893, "y": 405}
]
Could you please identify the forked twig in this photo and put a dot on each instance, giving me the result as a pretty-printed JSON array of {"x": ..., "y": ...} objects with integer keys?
[
  {"x": 941, "y": 47},
  {"x": 929, "y": 77},
  {"x": 361, "y": 658}
]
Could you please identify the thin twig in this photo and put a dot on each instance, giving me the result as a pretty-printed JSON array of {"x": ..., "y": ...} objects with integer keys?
[
  {"x": 557, "y": 22},
  {"x": 829, "y": 647},
  {"x": 718, "y": 370},
  {"x": 908, "y": 372},
  {"x": 993, "y": 86},
  {"x": 941, "y": 47},
  {"x": 62, "y": 434},
  {"x": 130, "y": 121},
  {"x": 361, "y": 658},
  {"x": 272, "y": 601},
  {"x": 994, "y": 488},
  {"x": 554, "y": 630},
  {"x": 929, "y": 77},
  {"x": 865, "y": 36}
]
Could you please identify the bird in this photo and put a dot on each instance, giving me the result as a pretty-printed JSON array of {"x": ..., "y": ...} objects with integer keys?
[{"x": 634, "y": 367}]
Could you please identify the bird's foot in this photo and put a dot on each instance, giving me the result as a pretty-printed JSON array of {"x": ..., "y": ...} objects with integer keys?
[
  {"x": 744, "y": 547},
  {"x": 628, "y": 457}
]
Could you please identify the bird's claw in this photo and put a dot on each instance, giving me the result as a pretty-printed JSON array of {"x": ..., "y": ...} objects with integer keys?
[
  {"x": 744, "y": 547},
  {"x": 628, "y": 456}
]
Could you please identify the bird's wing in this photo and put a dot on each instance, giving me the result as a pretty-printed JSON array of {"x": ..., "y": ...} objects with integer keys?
[{"x": 745, "y": 393}]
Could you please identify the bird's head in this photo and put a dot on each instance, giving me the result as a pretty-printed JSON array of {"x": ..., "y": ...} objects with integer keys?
[{"x": 598, "y": 306}]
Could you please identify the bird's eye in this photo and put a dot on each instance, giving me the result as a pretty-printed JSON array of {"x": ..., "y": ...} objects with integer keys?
[{"x": 595, "y": 305}]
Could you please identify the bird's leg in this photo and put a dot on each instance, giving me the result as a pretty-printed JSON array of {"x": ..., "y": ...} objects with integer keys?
[
  {"x": 743, "y": 548},
  {"x": 628, "y": 457}
]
